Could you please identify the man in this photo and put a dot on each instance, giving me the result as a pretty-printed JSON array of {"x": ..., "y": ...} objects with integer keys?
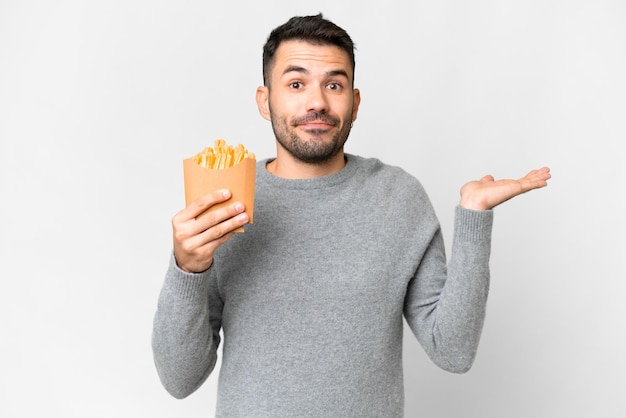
[{"x": 311, "y": 298}]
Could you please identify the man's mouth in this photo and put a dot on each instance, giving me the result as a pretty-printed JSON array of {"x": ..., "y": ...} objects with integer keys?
[
  {"x": 315, "y": 120},
  {"x": 317, "y": 125}
]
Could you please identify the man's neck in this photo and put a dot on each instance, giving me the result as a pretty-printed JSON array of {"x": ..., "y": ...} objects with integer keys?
[{"x": 286, "y": 166}]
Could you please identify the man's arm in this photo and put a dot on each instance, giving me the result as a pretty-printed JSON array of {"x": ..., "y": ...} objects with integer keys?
[
  {"x": 185, "y": 333},
  {"x": 445, "y": 304},
  {"x": 186, "y": 329}
]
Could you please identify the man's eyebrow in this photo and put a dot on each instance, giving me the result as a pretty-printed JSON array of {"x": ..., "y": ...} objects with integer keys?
[
  {"x": 295, "y": 69},
  {"x": 302, "y": 70},
  {"x": 334, "y": 73}
]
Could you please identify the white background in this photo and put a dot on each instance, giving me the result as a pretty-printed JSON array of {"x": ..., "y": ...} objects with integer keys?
[{"x": 100, "y": 101}]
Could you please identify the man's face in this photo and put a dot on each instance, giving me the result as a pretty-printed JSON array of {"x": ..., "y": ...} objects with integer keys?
[{"x": 310, "y": 100}]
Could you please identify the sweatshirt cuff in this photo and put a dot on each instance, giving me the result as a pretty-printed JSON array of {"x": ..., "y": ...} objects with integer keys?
[
  {"x": 473, "y": 225},
  {"x": 186, "y": 285}
]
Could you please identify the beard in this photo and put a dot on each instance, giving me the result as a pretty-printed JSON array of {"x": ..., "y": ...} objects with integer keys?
[{"x": 313, "y": 149}]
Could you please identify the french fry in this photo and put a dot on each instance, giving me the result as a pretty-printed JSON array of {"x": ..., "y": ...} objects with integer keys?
[{"x": 222, "y": 155}]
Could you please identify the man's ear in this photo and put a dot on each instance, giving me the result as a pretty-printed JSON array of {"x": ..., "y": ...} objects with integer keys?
[
  {"x": 262, "y": 102},
  {"x": 357, "y": 102}
]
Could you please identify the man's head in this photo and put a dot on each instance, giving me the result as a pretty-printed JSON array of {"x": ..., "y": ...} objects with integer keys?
[
  {"x": 312, "y": 29},
  {"x": 308, "y": 92}
]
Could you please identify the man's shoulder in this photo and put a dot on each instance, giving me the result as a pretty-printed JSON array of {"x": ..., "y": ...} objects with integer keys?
[
  {"x": 392, "y": 184},
  {"x": 377, "y": 169}
]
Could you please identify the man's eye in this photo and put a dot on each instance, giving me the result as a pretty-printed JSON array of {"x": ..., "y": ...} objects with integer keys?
[
  {"x": 334, "y": 86},
  {"x": 295, "y": 85}
]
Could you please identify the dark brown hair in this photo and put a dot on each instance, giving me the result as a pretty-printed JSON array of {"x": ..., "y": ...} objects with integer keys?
[{"x": 313, "y": 29}]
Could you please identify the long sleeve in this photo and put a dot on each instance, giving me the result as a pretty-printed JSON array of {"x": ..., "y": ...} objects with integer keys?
[
  {"x": 184, "y": 337},
  {"x": 445, "y": 305}
]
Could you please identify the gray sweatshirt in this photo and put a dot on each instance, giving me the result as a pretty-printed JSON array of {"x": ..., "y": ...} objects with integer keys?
[{"x": 311, "y": 297}]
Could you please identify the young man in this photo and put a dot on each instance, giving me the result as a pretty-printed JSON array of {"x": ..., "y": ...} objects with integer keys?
[{"x": 311, "y": 298}]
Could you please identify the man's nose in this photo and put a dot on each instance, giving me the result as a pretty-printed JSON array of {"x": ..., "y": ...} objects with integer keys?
[{"x": 316, "y": 99}]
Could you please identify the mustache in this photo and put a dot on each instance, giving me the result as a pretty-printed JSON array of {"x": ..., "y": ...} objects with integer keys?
[{"x": 314, "y": 117}]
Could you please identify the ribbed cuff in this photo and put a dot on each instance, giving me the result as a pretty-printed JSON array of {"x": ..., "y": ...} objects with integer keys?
[
  {"x": 186, "y": 285},
  {"x": 473, "y": 225}
]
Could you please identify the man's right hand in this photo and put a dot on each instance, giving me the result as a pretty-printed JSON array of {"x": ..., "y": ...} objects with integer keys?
[{"x": 197, "y": 238}]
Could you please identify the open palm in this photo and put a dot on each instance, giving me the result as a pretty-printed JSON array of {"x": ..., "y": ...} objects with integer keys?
[{"x": 487, "y": 193}]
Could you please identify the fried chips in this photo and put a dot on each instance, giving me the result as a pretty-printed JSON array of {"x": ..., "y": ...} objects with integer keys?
[{"x": 222, "y": 155}]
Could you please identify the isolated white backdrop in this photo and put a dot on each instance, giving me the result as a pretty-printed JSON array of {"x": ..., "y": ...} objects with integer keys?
[{"x": 100, "y": 101}]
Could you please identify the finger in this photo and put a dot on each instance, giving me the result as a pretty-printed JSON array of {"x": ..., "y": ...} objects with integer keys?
[
  {"x": 200, "y": 205},
  {"x": 185, "y": 230},
  {"x": 218, "y": 215},
  {"x": 206, "y": 241},
  {"x": 534, "y": 181},
  {"x": 194, "y": 248},
  {"x": 222, "y": 230},
  {"x": 188, "y": 231},
  {"x": 543, "y": 173}
]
